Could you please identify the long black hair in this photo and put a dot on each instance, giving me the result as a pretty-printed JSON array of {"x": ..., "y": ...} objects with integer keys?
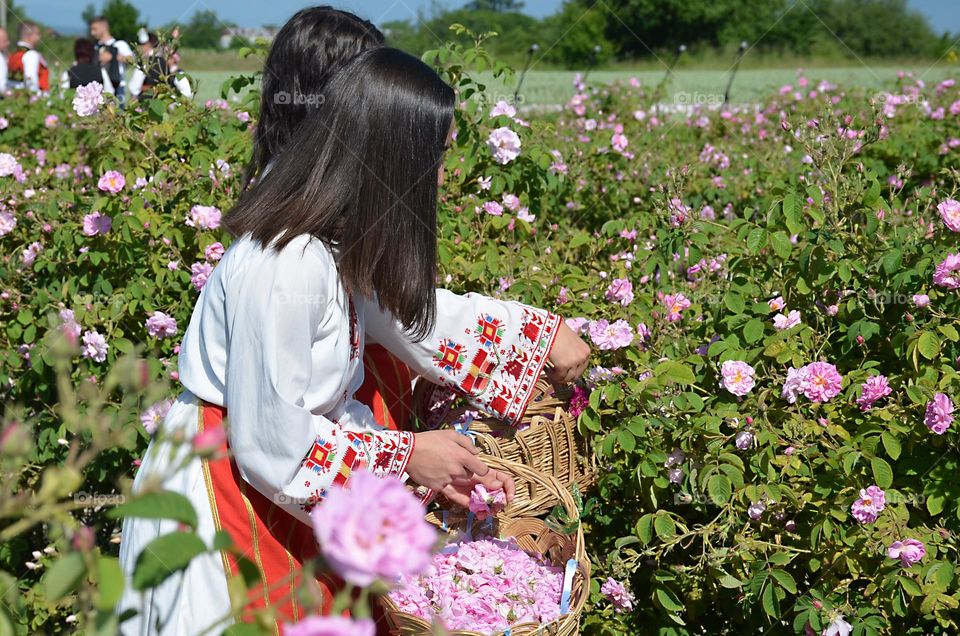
[
  {"x": 360, "y": 174},
  {"x": 303, "y": 56}
]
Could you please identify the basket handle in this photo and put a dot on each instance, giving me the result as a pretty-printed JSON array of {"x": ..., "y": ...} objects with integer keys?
[{"x": 551, "y": 483}]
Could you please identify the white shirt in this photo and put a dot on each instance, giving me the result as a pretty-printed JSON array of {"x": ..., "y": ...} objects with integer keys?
[
  {"x": 31, "y": 67},
  {"x": 3, "y": 72},
  {"x": 275, "y": 338},
  {"x": 123, "y": 50}
]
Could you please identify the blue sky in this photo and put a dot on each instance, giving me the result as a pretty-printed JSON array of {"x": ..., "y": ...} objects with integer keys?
[{"x": 944, "y": 15}]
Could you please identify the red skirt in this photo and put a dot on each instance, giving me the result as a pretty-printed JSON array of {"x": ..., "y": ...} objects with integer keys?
[{"x": 270, "y": 546}]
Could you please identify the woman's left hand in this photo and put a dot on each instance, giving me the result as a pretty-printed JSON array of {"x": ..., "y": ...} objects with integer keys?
[
  {"x": 459, "y": 491},
  {"x": 569, "y": 356}
]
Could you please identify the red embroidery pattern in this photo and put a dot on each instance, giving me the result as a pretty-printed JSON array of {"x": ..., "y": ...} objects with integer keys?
[
  {"x": 321, "y": 455},
  {"x": 450, "y": 356},
  {"x": 478, "y": 374},
  {"x": 501, "y": 380},
  {"x": 489, "y": 331}
]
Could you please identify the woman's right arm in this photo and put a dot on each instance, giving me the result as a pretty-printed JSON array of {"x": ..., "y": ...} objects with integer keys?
[{"x": 283, "y": 364}]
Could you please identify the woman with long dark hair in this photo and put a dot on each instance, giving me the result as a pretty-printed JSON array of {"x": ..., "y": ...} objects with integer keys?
[
  {"x": 304, "y": 54},
  {"x": 339, "y": 234}
]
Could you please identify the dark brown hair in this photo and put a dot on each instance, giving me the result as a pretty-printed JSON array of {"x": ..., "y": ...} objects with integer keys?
[
  {"x": 304, "y": 54},
  {"x": 360, "y": 174}
]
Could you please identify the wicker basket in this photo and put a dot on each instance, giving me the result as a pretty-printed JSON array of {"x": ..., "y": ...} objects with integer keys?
[
  {"x": 547, "y": 441},
  {"x": 531, "y": 534}
]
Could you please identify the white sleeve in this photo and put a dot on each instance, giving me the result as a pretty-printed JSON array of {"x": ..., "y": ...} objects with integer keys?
[
  {"x": 123, "y": 50},
  {"x": 3, "y": 72},
  {"x": 31, "y": 70},
  {"x": 183, "y": 85},
  {"x": 65, "y": 80},
  {"x": 282, "y": 376},
  {"x": 489, "y": 351},
  {"x": 136, "y": 82},
  {"x": 107, "y": 84}
]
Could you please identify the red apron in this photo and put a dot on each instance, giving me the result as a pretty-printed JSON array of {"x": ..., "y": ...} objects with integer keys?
[{"x": 270, "y": 539}]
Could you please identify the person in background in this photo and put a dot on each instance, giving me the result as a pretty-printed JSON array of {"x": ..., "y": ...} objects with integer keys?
[
  {"x": 157, "y": 69},
  {"x": 85, "y": 68},
  {"x": 26, "y": 66},
  {"x": 120, "y": 54},
  {"x": 4, "y": 45}
]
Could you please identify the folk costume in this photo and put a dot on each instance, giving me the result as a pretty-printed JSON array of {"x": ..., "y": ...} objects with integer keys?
[
  {"x": 27, "y": 69},
  {"x": 275, "y": 349}
]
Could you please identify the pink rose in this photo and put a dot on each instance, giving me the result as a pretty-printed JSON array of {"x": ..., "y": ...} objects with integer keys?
[
  {"x": 331, "y": 626},
  {"x": 950, "y": 213},
  {"x": 373, "y": 529},
  {"x": 484, "y": 503},
  {"x": 909, "y": 551},
  {"x": 737, "y": 377},
  {"x": 112, "y": 182}
]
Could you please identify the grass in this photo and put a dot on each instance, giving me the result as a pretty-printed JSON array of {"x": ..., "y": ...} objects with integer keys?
[{"x": 688, "y": 85}]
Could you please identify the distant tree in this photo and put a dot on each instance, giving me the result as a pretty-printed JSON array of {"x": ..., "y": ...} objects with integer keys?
[
  {"x": 576, "y": 33},
  {"x": 124, "y": 18},
  {"x": 203, "y": 31},
  {"x": 498, "y": 6}
]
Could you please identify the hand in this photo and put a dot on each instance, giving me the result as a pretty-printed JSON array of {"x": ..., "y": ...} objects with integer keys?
[
  {"x": 441, "y": 458},
  {"x": 570, "y": 356},
  {"x": 458, "y": 492}
]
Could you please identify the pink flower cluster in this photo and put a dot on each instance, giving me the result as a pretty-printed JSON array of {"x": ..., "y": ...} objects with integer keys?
[
  {"x": 384, "y": 537},
  {"x": 939, "y": 415},
  {"x": 204, "y": 217},
  {"x": 873, "y": 389},
  {"x": 818, "y": 381},
  {"x": 738, "y": 377},
  {"x": 331, "y": 626},
  {"x": 617, "y": 594},
  {"x": 485, "y": 585},
  {"x": 675, "y": 304},
  {"x": 620, "y": 291},
  {"x": 945, "y": 273},
  {"x": 484, "y": 503},
  {"x": 161, "y": 325},
  {"x": 909, "y": 551},
  {"x": 609, "y": 336},
  {"x": 868, "y": 507}
]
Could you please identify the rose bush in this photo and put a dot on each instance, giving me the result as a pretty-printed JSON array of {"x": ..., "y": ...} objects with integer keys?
[{"x": 770, "y": 289}]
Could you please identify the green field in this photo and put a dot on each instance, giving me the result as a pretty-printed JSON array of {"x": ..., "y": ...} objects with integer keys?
[{"x": 701, "y": 86}]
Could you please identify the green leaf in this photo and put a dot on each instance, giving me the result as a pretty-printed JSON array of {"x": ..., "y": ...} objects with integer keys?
[
  {"x": 165, "y": 556},
  {"x": 645, "y": 528},
  {"x": 950, "y": 332},
  {"x": 891, "y": 444},
  {"x": 730, "y": 582},
  {"x": 673, "y": 372},
  {"x": 158, "y": 505},
  {"x": 928, "y": 345},
  {"x": 109, "y": 583},
  {"x": 753, "y": 330},
  {"x": 935, "y": 503},
  {"x": 627, "y": 441},
  {"x": 785, "y": 580},
  {"x": 882, "y": 472},
  {"x": 64, "y": 576},
  {"x": 781, "y": 244},
  {"x": 792, "y": 213},
  {"x": 719, "y": 489},
  {"x": 668, "y": 599},
  {"x": 734, "y": 302},
  {"x": 756, "y": 240},
  {"x": 664, "y": 526}
]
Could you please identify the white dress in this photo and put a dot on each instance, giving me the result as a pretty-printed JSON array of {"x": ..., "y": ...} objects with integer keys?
[{"x": 275, "y": 338}]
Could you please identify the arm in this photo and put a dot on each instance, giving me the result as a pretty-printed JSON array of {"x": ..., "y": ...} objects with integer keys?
[
  {"x": 136, "y": 82},
  {"x": 489, "y": 351},
  {"x": 31, "y": 70},
  {"x": 283, "y": 375}
]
